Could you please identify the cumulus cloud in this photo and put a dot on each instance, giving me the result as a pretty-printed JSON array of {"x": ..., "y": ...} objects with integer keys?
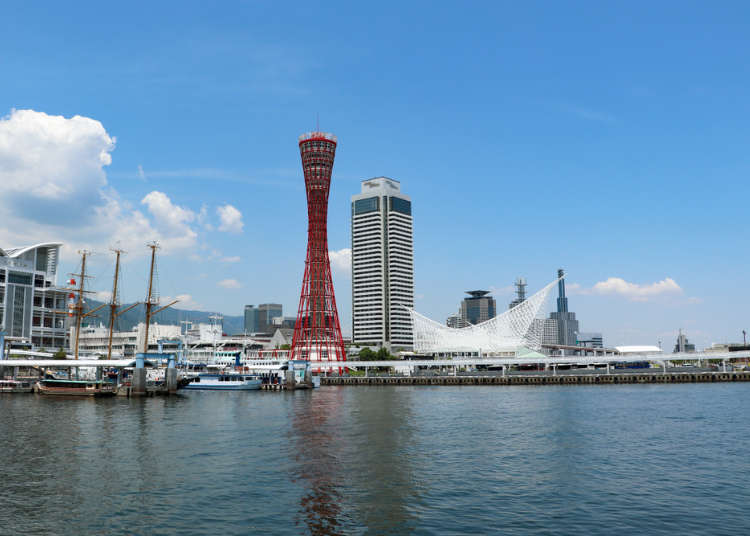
[
  {"x": 234, "y": 258},
  {"x": 51, "y": 165},
  {"x": 53, "y": 186},
  {"x": 172, "y": 220},
  {"x": 632, "y": 291},
  {"x": 229, "y": 283},
  {"x": 184, "y": 301},
  {"x": 231, "y": 219},
  {"x": 341, "y": 260}
]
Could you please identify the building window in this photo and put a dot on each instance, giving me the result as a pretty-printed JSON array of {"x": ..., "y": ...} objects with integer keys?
[
  {"x": 363, "y": 206},
  {"x": 41, "y": 260},
  {"x": 400, "y": 205},
  {"x": 19, "y": 279}
]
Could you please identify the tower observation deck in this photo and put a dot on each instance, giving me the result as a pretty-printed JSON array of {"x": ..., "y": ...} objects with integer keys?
[{"x": 317, "y": 332}]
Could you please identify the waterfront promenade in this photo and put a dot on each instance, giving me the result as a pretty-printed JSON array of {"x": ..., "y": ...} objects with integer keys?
[{"x": 547, "y": 378}]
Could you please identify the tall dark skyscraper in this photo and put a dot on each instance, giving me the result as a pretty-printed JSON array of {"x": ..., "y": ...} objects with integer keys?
[
  {"x": 251, "y": 319},
  {"x": 478, "y": 307},
  {"x": 567, "y": 325}
]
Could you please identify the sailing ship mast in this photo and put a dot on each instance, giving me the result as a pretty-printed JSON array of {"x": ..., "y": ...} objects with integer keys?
[
  {"x": 80, "y": 315},
  {"x": 79, "y": 302},
  {"x": 113, "y": 303},
  {"x": 150, "y": 300}
]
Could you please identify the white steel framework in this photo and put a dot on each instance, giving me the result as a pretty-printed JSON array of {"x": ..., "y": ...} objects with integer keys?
[{"x": 506, "y": 332}]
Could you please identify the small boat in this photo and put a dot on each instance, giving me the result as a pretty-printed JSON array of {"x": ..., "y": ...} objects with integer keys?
[
  {"x": 75, "y": 387},
  {"x": 16, "y": 386},
  {"x": 224, "y": 382}
]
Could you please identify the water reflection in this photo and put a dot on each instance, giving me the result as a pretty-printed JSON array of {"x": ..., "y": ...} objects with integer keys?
[
  {"x": 384, "y": 459},
  {"x": 357, "y": 458},
  {"x": 317, "y": 456}
]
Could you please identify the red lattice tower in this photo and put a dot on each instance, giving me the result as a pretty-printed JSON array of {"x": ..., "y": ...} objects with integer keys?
[{"x": 317, "y": 333}]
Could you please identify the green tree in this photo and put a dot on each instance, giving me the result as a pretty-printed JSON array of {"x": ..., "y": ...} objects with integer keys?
[
  {"x": 365, "y": 354},
  {"x": 382, "y": 354},
  {"x": 60, "y": 354}
]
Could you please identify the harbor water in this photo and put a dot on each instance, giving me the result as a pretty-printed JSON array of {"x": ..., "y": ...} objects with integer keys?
[{"x": 622, "y": 459}]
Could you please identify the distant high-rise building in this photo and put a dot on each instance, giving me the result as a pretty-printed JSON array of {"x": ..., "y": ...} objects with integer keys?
[
  {"x": 567, "y": 325},
  {"x": 683, "y": 345},
  {"x": 591, "y": 340},
  {"x": 478, "y": 307},
  {"x": 252, "y": 317},
  {"x": 266, "y": 313},
  {"x": 455, "y": 321},
  {"x": 382, "y": 264},
  {"x": 520, "y": 292}
]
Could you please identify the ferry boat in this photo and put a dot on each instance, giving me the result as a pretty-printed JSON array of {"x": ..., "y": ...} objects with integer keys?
[
  {"x": 16, "y": 386},
  {"x": 224, "y": 382},
  {"x": 75, "y": 387}
]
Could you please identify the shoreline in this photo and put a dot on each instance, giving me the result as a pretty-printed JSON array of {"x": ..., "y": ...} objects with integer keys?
[{"x": 545, "y": 379}]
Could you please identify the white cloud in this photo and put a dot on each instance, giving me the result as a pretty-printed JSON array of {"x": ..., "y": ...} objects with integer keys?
[
  {"x": 230, "y": 259},
  {"x": 499, "y": 291},
  {"x": 52, "y": 164},
  {"x": 632, "y": 291},
  {"x": 229, "y": 283},
  {"x": 173, "y": 222},
  {"x": 53, "y": 186},
  {"x": 231, "y": 219},
  {"x": 341, "y": 260},
  {"x": 102, "y": 295},
  {"x": 167, "y": 213},
  {"x": 186, "y": 301},
  {"x": 141, "y": 174}
]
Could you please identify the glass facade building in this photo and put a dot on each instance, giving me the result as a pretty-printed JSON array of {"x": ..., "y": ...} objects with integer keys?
[
  {"x": 32, "y": 307},
  {"x": 478, "y": 307},
  {"x": 252, "y": 316},
  {"x": 382, "y": 265},
  {"x": 266, "y": 313}
]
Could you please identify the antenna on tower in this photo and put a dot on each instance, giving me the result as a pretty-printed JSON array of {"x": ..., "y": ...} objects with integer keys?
[{"x": 317, "y": 121}]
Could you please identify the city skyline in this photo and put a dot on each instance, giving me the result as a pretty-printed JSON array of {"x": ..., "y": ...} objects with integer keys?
[{"x": 624, "y": 160}]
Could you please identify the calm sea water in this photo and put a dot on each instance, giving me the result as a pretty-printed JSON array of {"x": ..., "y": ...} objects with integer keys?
[{"x": 650, "y": 459}]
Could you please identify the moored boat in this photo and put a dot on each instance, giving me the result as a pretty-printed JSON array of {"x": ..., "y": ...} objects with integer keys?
[
  {"x": 16, "y": 386},
  {"x": 224, "y": 382},
  {"x": 75, "y": 387}
]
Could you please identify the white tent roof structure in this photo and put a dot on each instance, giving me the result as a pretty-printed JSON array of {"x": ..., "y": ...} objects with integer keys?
[{"x": 506, "y": 332}]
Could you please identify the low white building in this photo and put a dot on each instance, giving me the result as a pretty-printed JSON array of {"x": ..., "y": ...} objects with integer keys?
[
  {"x": 642, "y": 349},
  {"x": 94, "y": 340}
]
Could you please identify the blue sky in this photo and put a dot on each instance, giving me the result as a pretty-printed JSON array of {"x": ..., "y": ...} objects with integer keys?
[{"x": 610, "y": 140}]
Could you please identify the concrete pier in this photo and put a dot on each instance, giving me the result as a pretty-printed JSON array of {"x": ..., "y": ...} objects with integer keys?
[
  {"x": 138, "y": 382},
  {"x": 544, "y": 379},
  {"x": 170, "y": 380}
]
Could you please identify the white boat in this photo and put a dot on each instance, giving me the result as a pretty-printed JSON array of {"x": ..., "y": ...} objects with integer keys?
[{"x": 224, "y": 382}]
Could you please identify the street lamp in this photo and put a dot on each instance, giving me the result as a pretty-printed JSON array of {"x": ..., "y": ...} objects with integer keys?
[{"x": 744, "y": 340}]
